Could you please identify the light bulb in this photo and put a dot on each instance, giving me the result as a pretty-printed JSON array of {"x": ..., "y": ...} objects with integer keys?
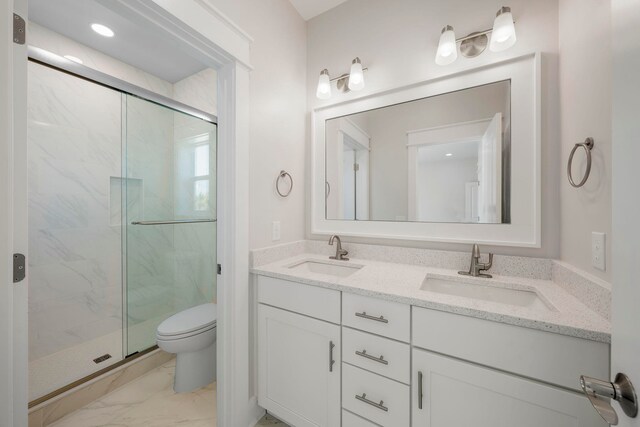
[
  {"x": 356, "y": 76},
  {"x": 447, "y": 48},
  {"x": 503, "y": 35},
  {"x": 103, "y": 30},
  {"x": 324, "y": 85}
]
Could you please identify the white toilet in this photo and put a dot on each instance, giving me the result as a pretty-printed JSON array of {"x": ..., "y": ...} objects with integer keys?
[{"x": 191, "y": 335}]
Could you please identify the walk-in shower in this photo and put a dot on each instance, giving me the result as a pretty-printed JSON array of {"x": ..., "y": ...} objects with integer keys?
[{"x": 122, "y": 208}]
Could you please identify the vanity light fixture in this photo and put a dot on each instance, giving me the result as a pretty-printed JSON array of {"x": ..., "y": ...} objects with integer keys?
[
  {"x": 356, "y": 76},
  {"x": 324, "y": 85},
  {"x": 344, "y": 83},
  {"x": 447, "y": 49},
  {"x": 503, "y": 36},
  {"x": 103, "y": 30},
  {"x": 449, "y": 154}
]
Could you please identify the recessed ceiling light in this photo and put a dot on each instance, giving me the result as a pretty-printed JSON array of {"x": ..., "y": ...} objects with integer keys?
[
  {"x": 73, "y": 58},
  {"x": 102, "y": 30},
  {"x": 449, "y": 154}
]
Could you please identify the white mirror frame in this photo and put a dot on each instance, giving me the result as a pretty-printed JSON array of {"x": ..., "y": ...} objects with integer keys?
[{"x": 525, "y": 227}]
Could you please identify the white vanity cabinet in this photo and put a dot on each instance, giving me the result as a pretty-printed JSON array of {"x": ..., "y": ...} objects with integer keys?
[
  {"x": 299, "y": 365},
  {"x": 337, "y": 359},
  {"x": 448, "y": 392}
]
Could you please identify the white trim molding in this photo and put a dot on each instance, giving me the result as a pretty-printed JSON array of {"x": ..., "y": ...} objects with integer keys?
[{"x": 524, "y": 229}]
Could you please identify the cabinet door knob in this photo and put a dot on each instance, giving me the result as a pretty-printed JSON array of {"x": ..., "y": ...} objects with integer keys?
[
  {"x": 380, "y": 405},
  {"x": 364, "y": 315},
  {"x": 331, "y": 361},
  {"x": 420, "y": 390},
  {"x": 380, "y": 359}
]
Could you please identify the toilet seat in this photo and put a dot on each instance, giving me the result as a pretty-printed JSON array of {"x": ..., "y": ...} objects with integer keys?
[{"x": 190, "y": 322}]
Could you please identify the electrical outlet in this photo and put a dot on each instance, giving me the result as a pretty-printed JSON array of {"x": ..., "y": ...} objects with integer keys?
[
  {"x": 275, "y": 231},
  {"x": 598, "y": 250}
]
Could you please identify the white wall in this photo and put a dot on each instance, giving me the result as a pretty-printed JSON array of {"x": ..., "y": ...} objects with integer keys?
[
  {"x": 398, "y": 41},
  {"x": 585, "y": 102},
  {"x": 445, "y": 203},
  {"x": 278, "y": 101}
]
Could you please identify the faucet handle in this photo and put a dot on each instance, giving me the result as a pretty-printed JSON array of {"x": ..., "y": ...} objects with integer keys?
[{"x": 490, "y": 263}]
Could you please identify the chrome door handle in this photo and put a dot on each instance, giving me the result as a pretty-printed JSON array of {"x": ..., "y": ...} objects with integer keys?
[
  {"x": 364, "y": 315},
  {"x": 331, "y": 361},
  {"x": 420, "y": 391},
  {"x": 380, "y": 405},
  {"x": 380, "y": 359},
  {"x": 621, "y": 390}
]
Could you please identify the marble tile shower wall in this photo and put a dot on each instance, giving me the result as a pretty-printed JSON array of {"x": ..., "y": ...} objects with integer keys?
[{"x": 75, "y": 253}]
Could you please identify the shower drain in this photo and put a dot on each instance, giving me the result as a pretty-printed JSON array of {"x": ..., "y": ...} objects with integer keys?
[{"x": 102, "y": 358}]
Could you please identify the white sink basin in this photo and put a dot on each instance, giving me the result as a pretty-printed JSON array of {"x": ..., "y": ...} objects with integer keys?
[
  {"x": 489, "y": 292},
  {"x": 326, "y": 268}
]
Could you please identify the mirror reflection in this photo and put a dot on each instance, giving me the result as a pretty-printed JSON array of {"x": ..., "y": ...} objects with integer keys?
[{"x": 445, "y": 158}]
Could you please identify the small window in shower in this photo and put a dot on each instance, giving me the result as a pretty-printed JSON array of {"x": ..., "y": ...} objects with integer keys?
[{"x": 194, "y": 161}]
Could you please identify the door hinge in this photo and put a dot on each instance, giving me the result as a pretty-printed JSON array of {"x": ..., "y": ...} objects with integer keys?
[
  {"x": 219, "y": 269},
  {"x": 19, "y": 268},
  {"x": 356, "y": 167},
  {"x": 19, "y": 29}
]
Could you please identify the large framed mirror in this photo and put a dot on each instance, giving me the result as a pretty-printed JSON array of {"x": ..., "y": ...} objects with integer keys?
[
  {"x": 455, "y": 159},
  {"x": 445, "y": 158}
]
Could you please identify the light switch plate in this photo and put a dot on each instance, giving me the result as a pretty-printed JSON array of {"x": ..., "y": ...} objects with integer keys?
[
  {"x": 275, "y": 231},
  {"x": 598, "y": 245}
]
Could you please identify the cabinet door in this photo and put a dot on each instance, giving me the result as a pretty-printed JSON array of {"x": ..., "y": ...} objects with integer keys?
[
  {"x": 298, "y": 368},
  {"x": 461, "y": 394}
]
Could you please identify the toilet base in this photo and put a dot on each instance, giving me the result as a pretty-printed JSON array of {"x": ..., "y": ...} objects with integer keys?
[{"x": 195, "y": 369}]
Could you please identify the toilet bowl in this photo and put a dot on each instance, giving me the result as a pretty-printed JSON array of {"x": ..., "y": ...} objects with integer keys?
[{"x": 191, "y": 335}]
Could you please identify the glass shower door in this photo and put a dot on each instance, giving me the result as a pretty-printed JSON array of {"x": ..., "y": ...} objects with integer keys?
[{"x": 169, "y": 210}]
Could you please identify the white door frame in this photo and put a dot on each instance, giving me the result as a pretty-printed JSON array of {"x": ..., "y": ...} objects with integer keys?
[
  {"x": 225, "y": 47},
  {"x": 625, "y": 335},
  {"x": 13, "y": 221}
]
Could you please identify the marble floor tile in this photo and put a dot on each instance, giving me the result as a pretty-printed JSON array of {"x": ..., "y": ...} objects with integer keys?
[{"x": 148, "y": 401}]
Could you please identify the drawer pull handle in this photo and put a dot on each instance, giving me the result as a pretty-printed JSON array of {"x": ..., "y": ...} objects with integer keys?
[
  {"x": 380, "y": 359},
  {"x": 380, "y": 405},
  {"x": 420, "y": 391},
  {"x": 364, "y": 315},
  {"x": 331, "y": 361}
]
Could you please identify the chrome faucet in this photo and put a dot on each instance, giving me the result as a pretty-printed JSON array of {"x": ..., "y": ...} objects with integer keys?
[
  {"x": 477, "y": 266},
  {"x": 341, "y": 254}
]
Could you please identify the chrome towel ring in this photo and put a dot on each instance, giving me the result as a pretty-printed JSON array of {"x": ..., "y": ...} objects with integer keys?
[
  {"x": 587, "y": 145},
  {"x": 282, "y": 176}
]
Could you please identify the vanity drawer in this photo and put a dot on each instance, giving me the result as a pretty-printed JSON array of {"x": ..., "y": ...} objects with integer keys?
[
  {"x": 364, "y": 350},
  {"x": 386, "y": 318},
  {"x": 545, "y": 356},
  {"x": 309, "y": 300},
  {"x": 387, "y": 401},
  {"x": 351, "y": 420}
]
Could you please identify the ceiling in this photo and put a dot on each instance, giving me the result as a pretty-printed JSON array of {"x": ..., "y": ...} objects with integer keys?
[
  {"x": 438, "y": 152},
  {"x": 147, "y": 49},
  {"x": 310, "y": 8}
]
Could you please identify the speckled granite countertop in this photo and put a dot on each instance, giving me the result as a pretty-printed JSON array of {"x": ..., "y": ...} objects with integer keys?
[{"x": 565, "y": 314}]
